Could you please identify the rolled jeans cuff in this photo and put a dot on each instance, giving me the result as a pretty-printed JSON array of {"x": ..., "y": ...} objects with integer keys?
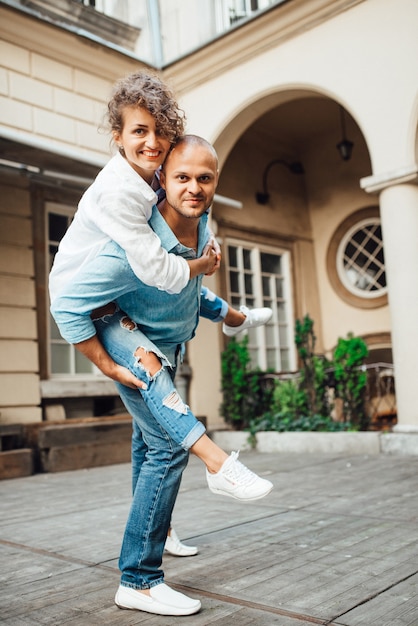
[{"x": 194, "y": 435}]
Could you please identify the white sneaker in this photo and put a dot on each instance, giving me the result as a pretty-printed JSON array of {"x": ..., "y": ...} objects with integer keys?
[
  {"x": 162, "y": 601},
  {"x": 237, "y": 481},
  {"x": 174, "y": 546},
  {"x": 253, "y": 318}
]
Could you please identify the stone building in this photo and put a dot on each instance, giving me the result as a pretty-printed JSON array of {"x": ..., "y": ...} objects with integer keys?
[{"x": 312, "y": 106}]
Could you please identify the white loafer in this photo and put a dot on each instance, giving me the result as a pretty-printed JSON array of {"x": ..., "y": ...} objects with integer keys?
[
  {"x": 174, "y": 546},
  {"x": 162, "y": 601}
]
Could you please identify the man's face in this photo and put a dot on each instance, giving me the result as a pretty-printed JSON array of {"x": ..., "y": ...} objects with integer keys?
[{"x": 190, "y": 178}]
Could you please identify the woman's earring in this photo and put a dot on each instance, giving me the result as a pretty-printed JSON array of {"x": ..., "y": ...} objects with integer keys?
[{"x": 121, "y": 150}]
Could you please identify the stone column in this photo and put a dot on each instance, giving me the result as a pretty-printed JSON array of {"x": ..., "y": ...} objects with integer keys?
[{"x": 399, "y": 216}]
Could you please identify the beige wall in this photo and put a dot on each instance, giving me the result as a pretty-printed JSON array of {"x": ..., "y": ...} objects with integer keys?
[
  {"x": 353, "y": 58},
  {"x": 54, "y": 87},
  {"x": 53, "y": 90},
  {"x": 19, "y": 396}
]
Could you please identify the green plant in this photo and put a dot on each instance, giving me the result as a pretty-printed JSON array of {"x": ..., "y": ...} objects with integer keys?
[
  {"x": 235, "y": 361},
  {"x": 302, "y": 403},
  {"x": 313, "y": 377},
  {"x": 286, "y": 422},
  {"x": 351, "y": 379},
  {"x": 289, "y": 399}
]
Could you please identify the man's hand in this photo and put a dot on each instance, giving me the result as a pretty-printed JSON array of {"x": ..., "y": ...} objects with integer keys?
[
  {"x": 213, "y": 243},
  {"x": 123, "y": 376},
  {"x": 205, "y": 264}
]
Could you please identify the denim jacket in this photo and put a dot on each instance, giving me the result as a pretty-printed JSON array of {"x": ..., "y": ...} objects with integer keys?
[{"x": 167, "y": 319}]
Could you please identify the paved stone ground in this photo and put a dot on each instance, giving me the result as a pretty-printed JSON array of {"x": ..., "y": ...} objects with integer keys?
[{"x": 335, "y": 543}]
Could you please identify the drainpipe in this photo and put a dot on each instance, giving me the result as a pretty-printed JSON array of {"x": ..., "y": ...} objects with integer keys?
[{"x": 155, "y": 28}]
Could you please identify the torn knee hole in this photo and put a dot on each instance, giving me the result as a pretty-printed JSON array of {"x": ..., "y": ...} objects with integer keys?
[
  {"x": 127, "y": 323},
  {"x": 149, "y": 361}
]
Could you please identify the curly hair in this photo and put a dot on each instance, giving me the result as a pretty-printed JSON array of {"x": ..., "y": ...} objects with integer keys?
[{"x": 146, "y": 90}]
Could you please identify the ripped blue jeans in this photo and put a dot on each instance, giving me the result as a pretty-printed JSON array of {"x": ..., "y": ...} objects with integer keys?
[{"x": 164, "y": 428}]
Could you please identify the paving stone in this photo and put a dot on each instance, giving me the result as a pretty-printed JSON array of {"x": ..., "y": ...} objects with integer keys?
[{"x": 336, "y": 543}]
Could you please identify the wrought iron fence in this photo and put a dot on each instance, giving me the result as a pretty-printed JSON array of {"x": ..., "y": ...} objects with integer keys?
[{"x": 379, "y": 393}]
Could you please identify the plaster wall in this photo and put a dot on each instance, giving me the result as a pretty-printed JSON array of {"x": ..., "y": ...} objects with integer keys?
[
  {"x": 354, "y": 58},
  {"x": 373, "y": 79}
]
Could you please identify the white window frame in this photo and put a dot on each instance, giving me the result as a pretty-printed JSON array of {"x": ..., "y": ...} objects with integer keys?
[
  {"x": 66, "y": 211},
  {"x": 258, "y": 343},
  {"x": 342, "y": 270},
  {"x": 242, "y": 9}
]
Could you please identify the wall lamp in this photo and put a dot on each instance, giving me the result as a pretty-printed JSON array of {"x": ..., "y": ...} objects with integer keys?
[
  {"x": 344, "y": 147},
  {"x": 295, "y": 167}
]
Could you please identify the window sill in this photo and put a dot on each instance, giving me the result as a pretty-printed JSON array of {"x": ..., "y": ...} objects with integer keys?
[{"x": 76, "y": 387}]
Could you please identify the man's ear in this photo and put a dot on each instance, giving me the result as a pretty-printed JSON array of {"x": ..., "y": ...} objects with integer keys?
[{"x": 162, "y": 179}]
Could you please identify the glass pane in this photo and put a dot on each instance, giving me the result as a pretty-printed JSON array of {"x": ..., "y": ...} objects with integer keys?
[
  {"x": 248, "y": 281},
  {"x": 284, "y": 354},
  {"x": 235, "y": 302},
  {"x": 271, "y": 360},
  {"x": 52, "y": 253},
  {"x": 234, "y": 282},
  {"x": 266, "y": 286},
  {"x": 57, "y": 226},
  {"x": 364, "y": 260},
  {"x": 270, "y": 335},
  {"x": 247, "y": 259},
  {"x": 283, "y": 336},
  {"x": 270, "y": 263},
  {"x": 55, "y": 333},
  {"x": 82, "y": 364},
  {"x": 250, "y": 303},
  {"x": 279, "y": 287},
  {"x": 281, "y": 312},
  {"x": 232, "y": 256},
  {"x": 60, "y": 359}
]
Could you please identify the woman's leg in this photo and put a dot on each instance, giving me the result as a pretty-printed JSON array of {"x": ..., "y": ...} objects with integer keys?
[
  {"x": 129, "y": 347},
  {"x": 213, "y": 308}
]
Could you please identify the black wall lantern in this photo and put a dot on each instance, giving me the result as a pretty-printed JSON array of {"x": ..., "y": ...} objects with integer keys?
[
  {"x": 295, "y": 167},
  {"x": 345, "y": 146}
]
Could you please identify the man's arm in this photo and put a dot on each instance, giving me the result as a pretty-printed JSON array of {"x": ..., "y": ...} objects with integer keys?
[{"x": 95, "y": 352}]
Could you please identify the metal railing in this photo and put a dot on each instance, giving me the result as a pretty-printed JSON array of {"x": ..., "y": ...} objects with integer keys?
[{"x": 379, "y": 394}]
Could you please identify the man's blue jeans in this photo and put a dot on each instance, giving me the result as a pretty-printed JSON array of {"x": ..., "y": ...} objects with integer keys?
[
  {"x": 164, "y": 428},
  {"x": 157, "y": 465}
]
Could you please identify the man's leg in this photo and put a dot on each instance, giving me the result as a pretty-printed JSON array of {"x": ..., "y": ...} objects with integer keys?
[
  {"x": 157, "y": 484},
  {"x": 156, "y": 489},
  {"x": 138, "y": 452}
]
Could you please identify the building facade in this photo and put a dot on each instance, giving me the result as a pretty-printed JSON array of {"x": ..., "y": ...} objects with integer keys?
[{"x": 312, "y": 106}]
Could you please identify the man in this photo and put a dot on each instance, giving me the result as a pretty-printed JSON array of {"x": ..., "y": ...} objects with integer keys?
[{"x": 143, "y": 331}]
